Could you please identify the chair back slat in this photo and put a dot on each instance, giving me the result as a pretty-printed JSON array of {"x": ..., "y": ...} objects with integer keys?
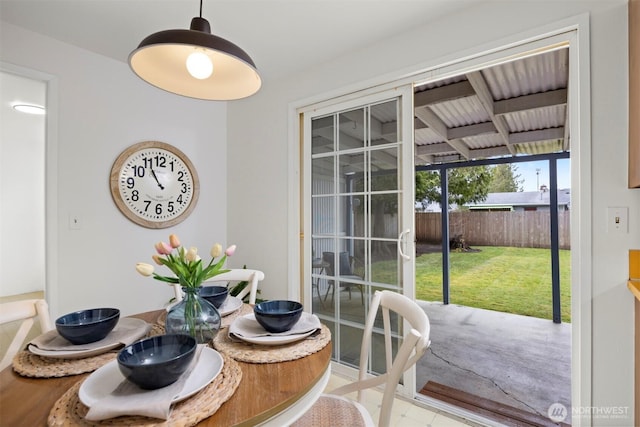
[
  {"x": 27, "y": 311},
  {"x": 414, "y": 344},
  {"x": 254, "y": 277}
]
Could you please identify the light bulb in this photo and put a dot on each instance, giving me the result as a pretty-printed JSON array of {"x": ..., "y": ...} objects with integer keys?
[{"x": 199, "y": 65}]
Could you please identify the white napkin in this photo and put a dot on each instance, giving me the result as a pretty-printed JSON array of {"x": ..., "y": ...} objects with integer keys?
[
  {"x": 129, "y": 399},
  {"x": 247, "y": 326},
  {"x": 125, "y": 332}
]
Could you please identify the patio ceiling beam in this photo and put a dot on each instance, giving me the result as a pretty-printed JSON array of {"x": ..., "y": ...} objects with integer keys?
[
  {"x": 437, "y": 148},
  {"x": 442, "y": 94},
  {"x": 471, "y": 130},
  {"x": 450, "y": 158},
  {"x": 432, "y": 120},
  {"x": 484, "y": 153},
  {"x": 486, "y": 99},
  {"x": 427, "y": 159},
  {"x": 537, "y": 135},
  {"x": 530, "y": 102},
  {"x": 460, "y": 147},
  {"x": 438, "y": 126},
  {"x": 419, "y": 124}
]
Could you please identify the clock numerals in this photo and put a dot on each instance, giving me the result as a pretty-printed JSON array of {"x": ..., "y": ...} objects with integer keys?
[
  {"x": 145, "y": 198},
  {"x": 156, "y": 185},
  {"x": 159, "y": 208}
]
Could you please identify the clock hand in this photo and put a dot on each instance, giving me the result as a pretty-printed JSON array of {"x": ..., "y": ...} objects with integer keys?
[{"x": 156, "y": 178}]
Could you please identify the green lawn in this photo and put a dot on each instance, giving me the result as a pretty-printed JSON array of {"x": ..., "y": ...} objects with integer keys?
[{"x": 511, "y": 280}]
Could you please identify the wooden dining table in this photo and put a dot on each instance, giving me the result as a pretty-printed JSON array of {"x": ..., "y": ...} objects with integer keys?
[{"x": 265, "y": 394}]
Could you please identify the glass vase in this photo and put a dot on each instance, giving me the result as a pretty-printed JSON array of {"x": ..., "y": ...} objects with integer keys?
[{"x": 193, "y": 316}]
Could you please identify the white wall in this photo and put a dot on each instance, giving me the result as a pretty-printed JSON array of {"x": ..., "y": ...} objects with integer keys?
[
  {"x": 260, "y": 159},
  {"x": 102, "y": 108}
]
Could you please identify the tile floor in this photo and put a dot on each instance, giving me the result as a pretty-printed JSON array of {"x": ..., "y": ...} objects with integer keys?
[{"x": 404, "y": 413}]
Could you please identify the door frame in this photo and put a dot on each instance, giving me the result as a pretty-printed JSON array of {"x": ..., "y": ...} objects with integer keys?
[
  {"x": 576, "y": 31},
  {"x": 51, "y": 178}
]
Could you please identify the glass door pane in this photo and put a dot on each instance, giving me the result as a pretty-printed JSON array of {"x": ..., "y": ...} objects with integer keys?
[{"x": 360, "y": 202}]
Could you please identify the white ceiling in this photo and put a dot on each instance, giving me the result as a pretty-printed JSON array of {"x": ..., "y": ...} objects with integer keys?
[
  {"x": 282, "y": 36},
  {"x": 513, "y": 108}
]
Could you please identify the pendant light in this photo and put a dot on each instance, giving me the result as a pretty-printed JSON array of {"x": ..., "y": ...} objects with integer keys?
[{"x": 196, "y": 64}]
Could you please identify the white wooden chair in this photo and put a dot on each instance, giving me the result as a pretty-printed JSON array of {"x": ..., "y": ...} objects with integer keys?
[
  {"x": 27, "y": 311},
  {"x": 254, "y": 277},
  {"x": 334, "y": 410}
]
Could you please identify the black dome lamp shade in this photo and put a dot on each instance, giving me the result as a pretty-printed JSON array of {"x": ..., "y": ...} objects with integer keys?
[{"x": 196, "y": 64}]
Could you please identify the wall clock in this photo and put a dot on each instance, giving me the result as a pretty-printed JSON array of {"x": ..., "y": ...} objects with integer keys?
[{"x": 154, "y": 184}]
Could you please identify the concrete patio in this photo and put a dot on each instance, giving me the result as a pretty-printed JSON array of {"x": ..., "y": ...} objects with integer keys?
[{"x": 520, "y": 361}]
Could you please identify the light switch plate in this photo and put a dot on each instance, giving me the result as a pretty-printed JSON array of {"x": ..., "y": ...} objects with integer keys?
[{"x": 618, "y": 219}]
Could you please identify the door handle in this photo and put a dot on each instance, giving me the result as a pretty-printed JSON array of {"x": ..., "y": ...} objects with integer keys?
[{"x": 400, "y": 240}]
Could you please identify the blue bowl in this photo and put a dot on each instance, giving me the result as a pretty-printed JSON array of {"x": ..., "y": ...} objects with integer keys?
[
  {"x": 278, "y": 315},
  {"x": 157, "y": 361},
  {"x": 85, "y": 326},
  {"x": 216, "y": 295}
]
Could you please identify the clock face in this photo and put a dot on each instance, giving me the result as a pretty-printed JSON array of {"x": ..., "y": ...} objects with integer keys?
[{"x": 154, "y": 184}]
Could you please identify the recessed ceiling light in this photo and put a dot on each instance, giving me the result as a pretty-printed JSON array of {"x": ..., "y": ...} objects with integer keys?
[{"x": 29, "y": 109}]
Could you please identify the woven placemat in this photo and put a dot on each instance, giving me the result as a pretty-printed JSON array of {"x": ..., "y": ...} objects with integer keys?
[
  {"x": 156, "y": 329},
  {"x": 226, "y": 320},
  {"x": 32, "y": 365},
  {"x": 70, "y": 411},
  {"x": 255, "y": 353},
  {"x": 28, "y": 364}
]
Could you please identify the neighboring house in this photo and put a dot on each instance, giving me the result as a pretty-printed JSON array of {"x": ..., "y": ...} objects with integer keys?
[
  {"x": 516, "y": 201},
  {"x": 523, "y": 201}
]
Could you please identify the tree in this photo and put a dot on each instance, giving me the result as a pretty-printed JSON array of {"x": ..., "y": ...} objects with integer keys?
[
  {"x": 466, "y": 185},
  {"x": 504, "y": 179}
]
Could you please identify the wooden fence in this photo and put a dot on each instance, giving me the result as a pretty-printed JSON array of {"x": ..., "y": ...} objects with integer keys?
[{"x": 526, "y": 229}]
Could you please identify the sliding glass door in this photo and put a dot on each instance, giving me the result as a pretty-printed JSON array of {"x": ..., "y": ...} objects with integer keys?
[{"x": 358, "y": 213}]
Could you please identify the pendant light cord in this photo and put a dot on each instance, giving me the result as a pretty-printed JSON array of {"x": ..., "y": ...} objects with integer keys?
[{"x": 200, "y": 8}]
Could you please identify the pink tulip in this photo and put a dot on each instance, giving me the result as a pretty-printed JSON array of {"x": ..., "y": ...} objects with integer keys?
[
  {"x": 174, "y": 241},
  {"x": 230, "y": 250},
  {"x": 163, "y": 248}
]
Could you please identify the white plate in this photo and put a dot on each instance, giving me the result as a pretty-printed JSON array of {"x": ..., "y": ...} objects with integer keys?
[
  {"x": 81, "y": 354},
  {"x": 275, "y": 340},
  {"x": 104, "y": 380},
  {"x": 230, "y": 305}
]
